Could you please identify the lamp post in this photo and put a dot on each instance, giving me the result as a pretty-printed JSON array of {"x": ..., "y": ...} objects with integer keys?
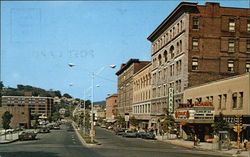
[{"x": 92, "y": 131}]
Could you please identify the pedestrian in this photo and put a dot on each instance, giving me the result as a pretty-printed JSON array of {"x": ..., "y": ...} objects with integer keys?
[
  {"x": 195, "y": 140},
  {"x": 245, "y": 144}
]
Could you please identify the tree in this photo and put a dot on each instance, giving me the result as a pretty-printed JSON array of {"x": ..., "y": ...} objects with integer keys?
[
  {"x": 67, "y": 95},
  {"x": 133, "y": 121},
  {"x": 168, "y": 122},
  {"x": 220, "y": 125},
  {"x": 6, "y": 120},
  {"x": 121, "y": 121}
]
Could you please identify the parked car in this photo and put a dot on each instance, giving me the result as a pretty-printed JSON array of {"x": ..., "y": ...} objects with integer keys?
[
  {"x": 129, "y": 133},
  {"x": 28, "y": 135},
  {"x": 103, "y": 126},
  {"x": 140, "y": 133},
  {"x": 43, "y": 130},
  {"x": 119, "y": 131},
  {"x": 56, "y": 127},
  {"x": 19, "y": 128},
  {"x": 148, "y": 135}
]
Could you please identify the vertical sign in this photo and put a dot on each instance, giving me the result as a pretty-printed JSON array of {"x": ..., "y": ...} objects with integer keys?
[{"x": 170, "y": 100}]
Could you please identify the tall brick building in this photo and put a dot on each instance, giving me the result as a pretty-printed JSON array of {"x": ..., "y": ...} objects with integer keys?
[
  {"x": 125, "y": 84},
  {"x": 196, "y": 44}
]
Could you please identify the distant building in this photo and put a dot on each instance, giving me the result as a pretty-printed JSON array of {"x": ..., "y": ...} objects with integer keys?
[
  {"x": 111, "y": 107},
  {"x": 37, "y": 105},
  {"x": 125, "y": 84},
  {"x": 21, "y": 116}
]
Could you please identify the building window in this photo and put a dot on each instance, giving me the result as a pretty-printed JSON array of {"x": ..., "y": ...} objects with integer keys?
[
  {"x": 225, "y": 101},
  {"x": 194, "y": 63},
  {"x": 219, "y": 101},
  {"x": 165, "y": 56},
  {"x": 231, "y": 25},
  {"x": 248, "y": 45},
  {"x": 248, "y": 25},
  {"x": 248, "y": 66},
  {"x": 195, "y": 43},
  {"x": 195, "y": 23},
  {"x": 159, "y": 58},
  {"x": 240, "y": 99},
  {"x": 234, "y": 100},
  {"x": 231, "y": 45},
  {"x": 230, "y": 66}
]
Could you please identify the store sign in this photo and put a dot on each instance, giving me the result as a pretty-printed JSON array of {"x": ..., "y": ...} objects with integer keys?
[
  {"x": 182, "y": 114},
  {"x": 206, "y": 103},
  {"x": 170, "y": 100},
  {"x": 126, "y": 117}
]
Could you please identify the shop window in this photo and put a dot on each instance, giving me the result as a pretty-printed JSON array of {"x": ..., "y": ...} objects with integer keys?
[
  {"x": 195, "y": 23},
  {"x": 231, "y": 25}
]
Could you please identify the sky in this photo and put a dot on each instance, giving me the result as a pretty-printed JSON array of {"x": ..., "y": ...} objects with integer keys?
[{"x": 40, "y": 38}]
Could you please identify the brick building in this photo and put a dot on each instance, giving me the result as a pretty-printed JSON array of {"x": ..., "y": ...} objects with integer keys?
[
  {"x": 111, "y": 107},
  {"x": 196, "y": 44},
  {"x": 37, "y": 105},
  {"x": 125, "y": 84}
]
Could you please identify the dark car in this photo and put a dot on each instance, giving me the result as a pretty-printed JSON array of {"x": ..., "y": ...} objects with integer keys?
[
  {"x": 148, "y": 135},
  {"x": 140, "y": 133},
  {"x": 29, "y": 135},
  {"x": 129, "y": 133},
  {"x": 119, "y": 131}
]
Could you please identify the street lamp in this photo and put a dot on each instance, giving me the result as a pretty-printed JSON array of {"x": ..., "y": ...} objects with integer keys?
[{"x": 92, "y": 131}]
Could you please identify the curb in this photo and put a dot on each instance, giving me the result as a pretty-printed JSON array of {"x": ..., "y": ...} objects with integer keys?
[
  {"x": 9, "y": 141},
  {"x": 82, "y": 140}
]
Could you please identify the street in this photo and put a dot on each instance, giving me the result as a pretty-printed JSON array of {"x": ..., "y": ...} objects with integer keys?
[{"x": 64, "y": 143}]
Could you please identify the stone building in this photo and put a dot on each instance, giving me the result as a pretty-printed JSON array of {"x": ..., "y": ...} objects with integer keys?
[
  {"x": 125, "y": 84},
  {"x": 20, "y": 116},
  {"x": 111, "y": 107},
  {"x": 229, "y": 96},
  {"x": 141, "y": 108},
  {"x": 37, "y": 105},
  {"x": 196, "y": 44}
]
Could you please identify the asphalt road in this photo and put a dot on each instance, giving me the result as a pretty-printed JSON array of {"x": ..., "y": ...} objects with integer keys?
[{"x": 63, "y": 143}]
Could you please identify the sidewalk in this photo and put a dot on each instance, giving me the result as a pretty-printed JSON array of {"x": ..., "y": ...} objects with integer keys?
[
  {"x": 9, "y": 138},
  {"x": 203, "y": 146}
]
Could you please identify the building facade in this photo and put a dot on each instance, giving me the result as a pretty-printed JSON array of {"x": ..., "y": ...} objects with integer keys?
[
  {"x": 37, "y": 105},
  {"x": 20, "y": 116},
  {"x": 111, "y": 107},
  {"x": 229, "y": 96},
  {"x": 125, "y": 84},
  {"x": 196, "y": 44},
  {"x": 141, "y": 108}
]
